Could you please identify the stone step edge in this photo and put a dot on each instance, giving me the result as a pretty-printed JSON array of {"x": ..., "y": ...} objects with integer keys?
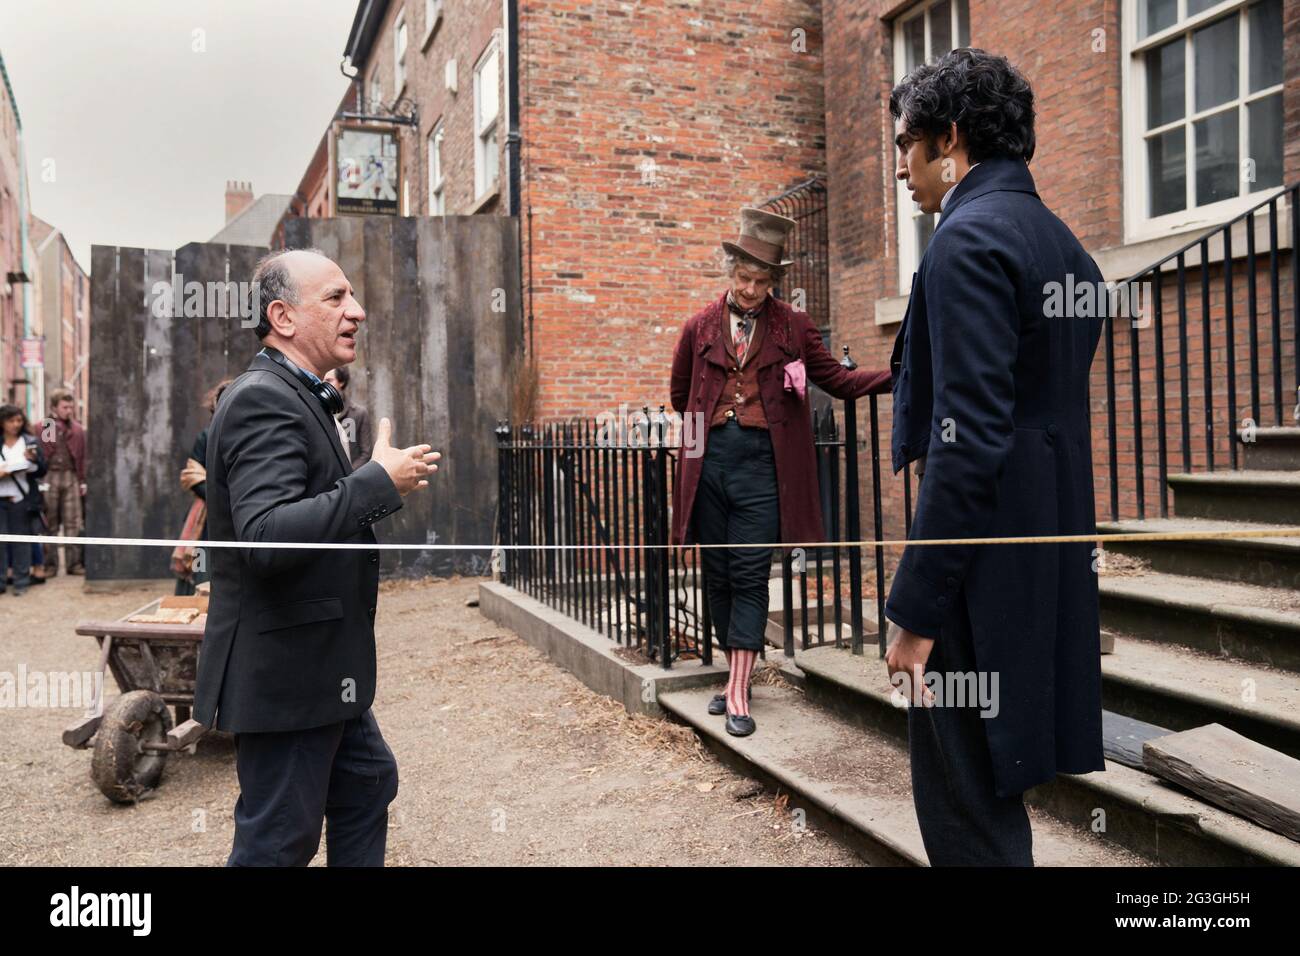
[
  {"x": 1123, "y": 785},
  {"x": 892, "y": 838},
  {"x": 1272, "y": 479},
  {"x": 1255, "y": 616},
  {"x": 1281, "y": 721},
  {"x": 1282, "y": 547}
]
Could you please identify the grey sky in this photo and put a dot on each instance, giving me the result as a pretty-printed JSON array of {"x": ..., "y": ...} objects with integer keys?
[{"x": 143, "y": 131}]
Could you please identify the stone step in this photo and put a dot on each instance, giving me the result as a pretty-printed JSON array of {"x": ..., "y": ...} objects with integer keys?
[
  {"x": 1275, "y": 448},
  {"x": 1244, "y": 622},
  {"x": 1270, "y": 562},
  {"x": 857, "y": 786},
  {"x": 1140, "y": 812},
  {"x": 1268, "y": 497},
  {"x": 1180, "y": 688}
]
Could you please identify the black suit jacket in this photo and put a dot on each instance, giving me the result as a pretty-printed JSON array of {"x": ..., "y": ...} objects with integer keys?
[
  {"x": 993, "y": 388},
  {"x": 290, "y": 641}
]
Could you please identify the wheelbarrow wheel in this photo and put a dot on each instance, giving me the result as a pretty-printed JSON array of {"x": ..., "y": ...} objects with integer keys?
[{"x": 122, "y": 768}]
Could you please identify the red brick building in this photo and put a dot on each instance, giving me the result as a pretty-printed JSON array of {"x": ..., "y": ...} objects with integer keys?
[
  {"x": 60, "y": 315},
  {"x": 14, "y": 277},
  {"x": 1157, "y": 120},
  {"x": 641, "y": 131}
]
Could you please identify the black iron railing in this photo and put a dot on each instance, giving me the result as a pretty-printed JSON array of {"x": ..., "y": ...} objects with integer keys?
[
  {"x": 585, "y": 514},
  {"x": 1209, "y": 335},
  {"x": 585, "y": 511},
  {"x": 806, "y": 284}
]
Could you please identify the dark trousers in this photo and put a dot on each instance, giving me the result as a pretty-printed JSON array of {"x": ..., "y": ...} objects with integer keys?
[
  {"x": 736, "y": 503},
  {"x": 16, "y": 519},
  {"x": 291, "y": 782},
  {"x": 63, "y": 514},
  {"x": 963, "y": 820}
]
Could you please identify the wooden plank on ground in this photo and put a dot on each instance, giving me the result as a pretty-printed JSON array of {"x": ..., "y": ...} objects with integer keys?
[
  {"x": 1122, "y": 738},
  {"x": 1233, "y": 772}
]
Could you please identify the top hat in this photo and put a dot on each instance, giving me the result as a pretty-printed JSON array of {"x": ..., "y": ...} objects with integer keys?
[{"x": 762, "y": 237}]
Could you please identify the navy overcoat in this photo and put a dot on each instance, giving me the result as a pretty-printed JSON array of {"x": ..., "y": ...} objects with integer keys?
[{"x": 992, "y": 387}]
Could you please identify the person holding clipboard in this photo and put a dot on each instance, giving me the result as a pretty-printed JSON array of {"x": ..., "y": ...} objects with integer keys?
[{"x": 22, "y": 464}]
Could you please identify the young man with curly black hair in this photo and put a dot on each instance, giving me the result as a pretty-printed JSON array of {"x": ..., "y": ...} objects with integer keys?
[{"x": 996, "y": 646}]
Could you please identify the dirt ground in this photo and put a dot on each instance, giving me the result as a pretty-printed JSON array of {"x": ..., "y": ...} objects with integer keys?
[{"x": 503, "y": 758}]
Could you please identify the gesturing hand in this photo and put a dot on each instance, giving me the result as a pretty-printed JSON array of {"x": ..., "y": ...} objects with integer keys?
[
  {"x": 905, "y": 657},
  {"x": 407, "y": 467}
]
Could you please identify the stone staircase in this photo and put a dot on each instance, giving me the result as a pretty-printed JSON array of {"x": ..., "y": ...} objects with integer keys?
[
  {"x": 1204, "y": 632},
  {"x": 1209, "y": 631}
]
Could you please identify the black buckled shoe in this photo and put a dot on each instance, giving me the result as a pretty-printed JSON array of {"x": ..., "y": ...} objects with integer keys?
[
  {"x": 739, "y": 726},
  {"x": 718, "y": 705}
]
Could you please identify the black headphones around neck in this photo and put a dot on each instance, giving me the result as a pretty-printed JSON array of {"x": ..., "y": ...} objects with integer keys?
[{"x": 329, "y": 396}]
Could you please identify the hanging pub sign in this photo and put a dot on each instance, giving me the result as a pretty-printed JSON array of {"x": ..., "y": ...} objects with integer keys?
[{"x": 368, "y": 168}]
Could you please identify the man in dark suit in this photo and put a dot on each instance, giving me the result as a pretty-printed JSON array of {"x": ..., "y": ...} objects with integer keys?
[
  {"x": 288, "y": 658},
  {"x": 991, "y": 401}
]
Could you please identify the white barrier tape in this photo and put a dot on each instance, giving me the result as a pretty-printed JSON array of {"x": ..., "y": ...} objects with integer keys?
[{"x": 45, "y": 539}]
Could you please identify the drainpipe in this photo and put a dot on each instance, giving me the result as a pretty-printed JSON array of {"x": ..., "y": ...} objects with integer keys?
[
  {"x": 510, "y": 20},
  {"x": 35, "y": 389}
]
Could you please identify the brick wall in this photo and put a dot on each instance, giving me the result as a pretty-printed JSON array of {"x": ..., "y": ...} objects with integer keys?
[
  {"x": 645, "y": 129},
  {"x": 1078, "y": 169},
  {"x": 466, "y": 28},
  {"x": 11, "y": 216}
]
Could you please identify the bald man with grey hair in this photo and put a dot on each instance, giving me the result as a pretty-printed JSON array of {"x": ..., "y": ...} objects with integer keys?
[{"x": 288, "y": 658}]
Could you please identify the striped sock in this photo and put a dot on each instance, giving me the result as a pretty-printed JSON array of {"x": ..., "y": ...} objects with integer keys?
[{"x": 742, "y": 665}]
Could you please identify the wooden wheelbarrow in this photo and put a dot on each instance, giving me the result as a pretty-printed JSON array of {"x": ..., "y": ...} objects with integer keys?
[{"x": 153, "y": 661}]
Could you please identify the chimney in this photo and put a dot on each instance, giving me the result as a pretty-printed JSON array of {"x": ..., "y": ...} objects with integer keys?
[{"x": 239, "y": 196}]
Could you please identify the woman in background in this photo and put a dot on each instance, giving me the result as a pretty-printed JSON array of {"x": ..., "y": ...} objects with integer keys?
[{"x": 22, "y": 465}]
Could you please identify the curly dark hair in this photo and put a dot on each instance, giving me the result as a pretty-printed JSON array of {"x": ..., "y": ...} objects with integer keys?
[
  {"x": 988, "y": 98},
  {"x": 13, "y": 411}
]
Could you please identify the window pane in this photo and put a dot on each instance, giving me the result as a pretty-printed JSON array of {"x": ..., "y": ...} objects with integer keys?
[
  {"x": 1215, "y": 53},
  {"x": 1166, "y": 90},
  {"x": 487, "y": 90},
  {"x": 924, "y": 230},
  {"x": 1155, "y": 15},
  {"x": 1216, "y": 157},
  {"x": 1199, "y": 6},
  {"x": 1167, "y": 171},
  {"x": 963, "y": 23},
  {"x": 1264, "y": 119},
  {"x": 940, "y": 29},
  {"x": 913, "y": 43},
  {"x": 1265, "y": 32}
]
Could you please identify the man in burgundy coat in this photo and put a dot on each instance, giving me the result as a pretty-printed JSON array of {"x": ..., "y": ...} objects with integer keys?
[{"x": 741, "y": 365}]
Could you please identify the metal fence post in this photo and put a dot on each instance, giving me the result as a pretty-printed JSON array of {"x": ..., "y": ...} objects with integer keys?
[
  {"x": 504, "y": 496},
  {"x": 852, "y": 511}
]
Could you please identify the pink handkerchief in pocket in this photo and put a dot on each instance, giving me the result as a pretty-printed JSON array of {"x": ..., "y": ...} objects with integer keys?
[{"x": 796, "y": 378}]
